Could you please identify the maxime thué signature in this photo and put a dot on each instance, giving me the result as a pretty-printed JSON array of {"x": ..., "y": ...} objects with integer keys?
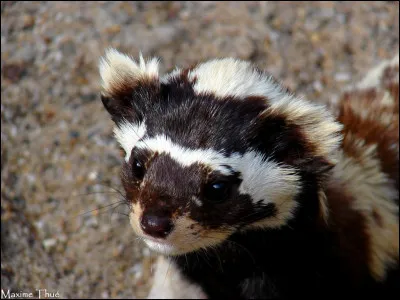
[{"x": 39, "y": 293}]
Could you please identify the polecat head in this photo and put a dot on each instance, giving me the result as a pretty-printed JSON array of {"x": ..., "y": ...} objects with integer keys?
[{"x": 212, "y": 149}]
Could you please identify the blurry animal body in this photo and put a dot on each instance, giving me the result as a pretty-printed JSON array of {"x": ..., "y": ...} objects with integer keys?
[{"x": 247, "y": 191}]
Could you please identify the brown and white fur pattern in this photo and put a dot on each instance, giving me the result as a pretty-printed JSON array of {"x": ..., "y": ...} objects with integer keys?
[
  {"x": 368, "y": 166},
  {"x": 226, "y": 121}
]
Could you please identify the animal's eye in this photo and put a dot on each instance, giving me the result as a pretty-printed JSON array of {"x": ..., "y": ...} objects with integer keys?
[
  {"x": 217, "y": 191},
  {"x": 138, "y": 168}
]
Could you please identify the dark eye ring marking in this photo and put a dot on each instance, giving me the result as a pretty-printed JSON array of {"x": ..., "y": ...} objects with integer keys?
[
  {"x": 139, "y": 160},
  {"x": 138, "y": 168},
  {"x": 217, "y": 191}
]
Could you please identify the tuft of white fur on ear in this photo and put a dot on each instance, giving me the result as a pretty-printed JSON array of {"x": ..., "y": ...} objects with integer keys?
[{"x": 117, "y": 69}]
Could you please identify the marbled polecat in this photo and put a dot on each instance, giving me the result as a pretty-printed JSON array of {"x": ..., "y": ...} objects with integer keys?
[{"x": 248, "y": 191}]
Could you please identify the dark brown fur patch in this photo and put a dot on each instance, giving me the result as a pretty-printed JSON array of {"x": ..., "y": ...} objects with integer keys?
[
  {"x": 349, "y": 229},
  {"x": 370, "y": 129},
  {"x": 290, "y": 143},
  {"x": 126, "y": 87},
  {"x": 121, "y": 101}
]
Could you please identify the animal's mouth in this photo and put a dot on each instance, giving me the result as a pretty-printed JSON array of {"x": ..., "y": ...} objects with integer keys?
[
  {"x": 156, "y": 240},
  {"x": 161, "y": 246},
  {"x": 186, "y": 235}
]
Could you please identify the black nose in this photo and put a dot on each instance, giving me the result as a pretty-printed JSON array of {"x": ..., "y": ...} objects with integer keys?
[{"x": 156, "y": 226}]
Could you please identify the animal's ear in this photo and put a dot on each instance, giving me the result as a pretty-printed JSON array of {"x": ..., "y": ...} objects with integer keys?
[
  {"x": 300, "y": 133},
  {"x": 128, "y": 87}
]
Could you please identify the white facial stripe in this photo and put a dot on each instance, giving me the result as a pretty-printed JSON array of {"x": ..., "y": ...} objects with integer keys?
[
  {"x": 128, "y": 134},
  {"x": 262, "y": 179},
  {"x": 186, "y": 157}
]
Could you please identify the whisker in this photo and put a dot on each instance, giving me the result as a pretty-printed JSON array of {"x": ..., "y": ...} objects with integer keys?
[
  {"x": 113, "y": 210},
  {"x": 88, "y": 212},
  {"x": 102, "y": 183},
  {"x": 102, "y": 213},
  {"x": 92, "y": 193},
  {"x": 204, "y": 250}
]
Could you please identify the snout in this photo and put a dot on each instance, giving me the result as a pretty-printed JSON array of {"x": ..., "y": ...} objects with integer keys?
[
  {"x": 169, "y": 233},
  {"x": 158, "y": 226}
]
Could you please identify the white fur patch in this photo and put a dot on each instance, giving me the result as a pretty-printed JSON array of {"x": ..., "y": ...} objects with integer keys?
[
  {"x": 117, "y": 69},
  {"x": 169, "y": 283},
  {"x": 262, "y": 179},
  {"x": 268, "y": 181},
  {"x": 232, "y": 77},
  {"x": 128, "y": 134}
]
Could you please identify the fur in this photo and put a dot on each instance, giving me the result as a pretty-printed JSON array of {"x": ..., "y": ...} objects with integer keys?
[
  {"x": 128, "y": 134},
  {"x": 310, "y": 202},
  {"x": 169, "y": 283}
]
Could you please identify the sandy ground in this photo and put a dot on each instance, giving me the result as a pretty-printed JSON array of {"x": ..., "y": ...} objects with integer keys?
[{"x": 58, "y": 155}]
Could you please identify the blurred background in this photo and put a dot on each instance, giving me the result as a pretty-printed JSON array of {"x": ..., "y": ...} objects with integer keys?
[{"x": 58, "y": 156}]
